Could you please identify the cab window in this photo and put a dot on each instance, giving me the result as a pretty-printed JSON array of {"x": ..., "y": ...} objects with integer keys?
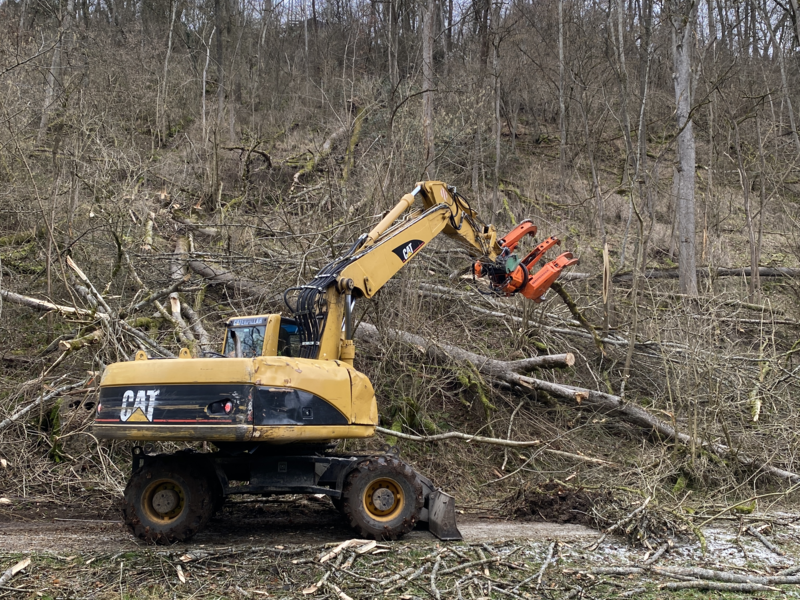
[
  {"x": 245, "y": 342},
  {"x": 289, "y": 339}
]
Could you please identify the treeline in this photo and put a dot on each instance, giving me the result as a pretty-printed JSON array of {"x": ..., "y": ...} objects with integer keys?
[{"x": 664, "y": 103}]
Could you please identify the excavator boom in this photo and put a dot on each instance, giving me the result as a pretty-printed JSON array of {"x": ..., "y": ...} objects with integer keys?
[{"x": 377, "y": 256}]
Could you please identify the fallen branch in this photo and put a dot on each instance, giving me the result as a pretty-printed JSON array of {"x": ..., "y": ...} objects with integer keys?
[
  {"x": 219, "y": 276},
  {"x": 456, "y": 435},
  {"x": 42, "y": 399},
  {"x": 11, "y": 571},
  {"x": 44, "y": 305},
  {"x": 718, "y": 587},
  {"x": 312, "y": 163},
  {"x": 760, "y": 537}
]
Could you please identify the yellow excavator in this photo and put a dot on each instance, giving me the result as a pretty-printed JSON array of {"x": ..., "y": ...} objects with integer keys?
[{"x": 283, "y": 390}]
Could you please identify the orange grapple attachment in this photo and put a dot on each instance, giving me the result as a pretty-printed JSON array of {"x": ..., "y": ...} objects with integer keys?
[
  {"x": 539, "y": 283},
  {"x": 513, "y": 237},
  {"x": 515, "y": 281}
]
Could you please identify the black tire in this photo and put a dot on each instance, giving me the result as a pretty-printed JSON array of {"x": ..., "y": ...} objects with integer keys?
[
  {"x": 169, "y": 500},
  {"x": 382, "y": 498}
]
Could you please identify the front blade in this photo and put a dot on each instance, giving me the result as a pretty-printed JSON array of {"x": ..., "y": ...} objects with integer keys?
[{"x": 442, "y": 516}]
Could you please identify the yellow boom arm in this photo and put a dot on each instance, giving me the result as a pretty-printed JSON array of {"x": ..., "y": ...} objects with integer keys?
[{"x": 432, "y": 208}]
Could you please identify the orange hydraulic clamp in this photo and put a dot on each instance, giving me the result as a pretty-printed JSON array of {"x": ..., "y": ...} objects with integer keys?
[{"x": 509, "y": 275}]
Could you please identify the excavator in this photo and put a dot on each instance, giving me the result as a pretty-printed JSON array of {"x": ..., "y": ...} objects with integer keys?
[{"x": 283, "y": 391}]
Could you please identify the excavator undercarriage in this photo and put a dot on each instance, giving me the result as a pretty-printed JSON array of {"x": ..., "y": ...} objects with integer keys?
[{"x": 284, "y": 390}]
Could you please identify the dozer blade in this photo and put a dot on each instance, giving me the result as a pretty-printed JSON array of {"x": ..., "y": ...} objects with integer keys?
[{"x": 442, "y": 516}]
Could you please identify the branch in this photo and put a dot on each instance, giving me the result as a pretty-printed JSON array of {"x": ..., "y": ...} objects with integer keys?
[
  {"x": 40, "y": 400},
  {"x": 457, "y": 435}
]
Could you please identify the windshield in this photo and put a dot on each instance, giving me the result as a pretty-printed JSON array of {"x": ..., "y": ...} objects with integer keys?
[{"x": 245, "y": 342}]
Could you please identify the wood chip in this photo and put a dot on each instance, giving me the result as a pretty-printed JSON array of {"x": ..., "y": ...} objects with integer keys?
[
  {"x": 5, "y": 501},
  {"x": 3, "y": 463},
  {"x": 10, "y": 572},
  {"x": 181, "y": 576}
]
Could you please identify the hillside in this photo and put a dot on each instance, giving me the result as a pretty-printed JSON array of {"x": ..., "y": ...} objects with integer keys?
[{"x": 227, "y": 152}]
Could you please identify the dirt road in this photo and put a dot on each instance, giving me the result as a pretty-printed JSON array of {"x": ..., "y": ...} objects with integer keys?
[{"x": 253, "y": 523}]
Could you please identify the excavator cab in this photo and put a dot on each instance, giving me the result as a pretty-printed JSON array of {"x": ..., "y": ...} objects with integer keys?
[{"x": 262, "y": 335}]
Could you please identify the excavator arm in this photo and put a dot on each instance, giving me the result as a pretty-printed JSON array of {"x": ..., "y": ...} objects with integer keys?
[{"x": 322, "y": 305}]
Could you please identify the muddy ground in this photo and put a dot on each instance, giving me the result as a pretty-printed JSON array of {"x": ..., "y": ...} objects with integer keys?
[{"x": 275, "y": 549}]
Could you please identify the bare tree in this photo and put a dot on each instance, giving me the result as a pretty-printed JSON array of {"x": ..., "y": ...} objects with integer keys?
[
  {"x": 427, "y": 86},
  {"x": 682, "y": 17}
]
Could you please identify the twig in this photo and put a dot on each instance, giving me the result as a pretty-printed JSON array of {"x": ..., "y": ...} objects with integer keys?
[
  {"x": 770, "y": 546},
  {"x": 619, "y": 523},
  {"x": 657, "y": 554},
  {"x": 457, "y": 435},
  {"x": 549, "y": 558},
  {"x": 436, "y": 566}
]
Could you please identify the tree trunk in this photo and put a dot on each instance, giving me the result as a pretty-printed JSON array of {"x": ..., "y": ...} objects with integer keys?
[
  {"x": 55, "y": 77},
  {"x": 562, "y": 118},
  {"x": 682, "y": 18},
  {"x": 427, "y": 86}
]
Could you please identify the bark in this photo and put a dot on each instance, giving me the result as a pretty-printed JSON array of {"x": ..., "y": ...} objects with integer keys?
[{"x": 682, "y": 18}]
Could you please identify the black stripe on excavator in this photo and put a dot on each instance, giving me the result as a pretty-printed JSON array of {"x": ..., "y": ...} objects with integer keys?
[
  {"x": 168, "y": 404},
  {"x": 287, "y": 406},
  {"x": 206, "y": 405}
]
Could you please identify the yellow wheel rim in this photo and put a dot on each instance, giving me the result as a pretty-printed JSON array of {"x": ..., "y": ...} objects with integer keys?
[
  {"x": 383, "y": 499},
  {"x": 163, "y": 501}
]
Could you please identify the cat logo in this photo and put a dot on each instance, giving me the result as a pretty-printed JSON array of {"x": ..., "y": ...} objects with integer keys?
[
  {"x": 138, "y": 406},
  {"x": 409, "y": 249}
]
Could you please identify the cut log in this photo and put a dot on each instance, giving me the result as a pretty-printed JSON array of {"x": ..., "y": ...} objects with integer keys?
[
  {"x": 78, "y": 343},
  {"x": 219, "y": 276}
]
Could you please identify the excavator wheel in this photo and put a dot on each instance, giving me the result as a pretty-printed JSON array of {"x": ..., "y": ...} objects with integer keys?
[
  {"x": 169, "y": 500},
  {"x": 382, "y": 498}
]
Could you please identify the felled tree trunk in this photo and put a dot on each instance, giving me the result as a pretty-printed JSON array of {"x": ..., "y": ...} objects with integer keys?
[{"x": 511, "y": 372}]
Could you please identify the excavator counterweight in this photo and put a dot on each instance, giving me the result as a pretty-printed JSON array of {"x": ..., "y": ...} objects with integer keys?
[{"x": 283, "y": 390}]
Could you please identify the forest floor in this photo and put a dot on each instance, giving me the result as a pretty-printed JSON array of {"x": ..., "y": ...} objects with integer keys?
[{"x": 276, "y": 548}]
